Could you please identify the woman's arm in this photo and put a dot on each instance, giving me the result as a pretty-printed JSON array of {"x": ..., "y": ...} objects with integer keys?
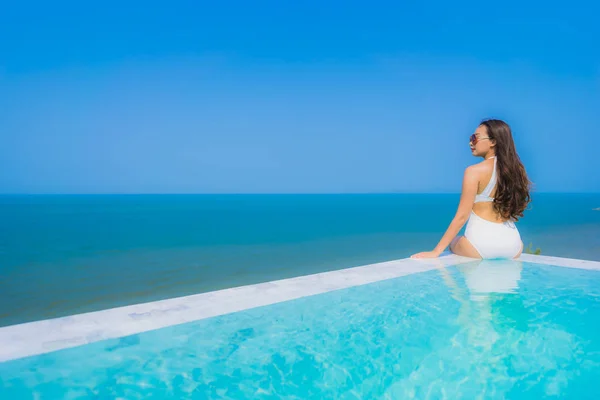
[{"x": 467, "y": 198}]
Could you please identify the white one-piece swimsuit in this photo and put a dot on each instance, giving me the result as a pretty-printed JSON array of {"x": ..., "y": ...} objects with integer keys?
[{"x": 492, "y": 239}]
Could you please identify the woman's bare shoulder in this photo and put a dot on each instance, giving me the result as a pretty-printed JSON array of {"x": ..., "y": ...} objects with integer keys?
[
  {"x": 475, "y": 168},
  {"x": 477, "y": 171},
  {"x": 481, "y": 167}
]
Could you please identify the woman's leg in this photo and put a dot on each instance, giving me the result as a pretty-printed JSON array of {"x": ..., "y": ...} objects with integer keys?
[{"x": 462, "y": 247}]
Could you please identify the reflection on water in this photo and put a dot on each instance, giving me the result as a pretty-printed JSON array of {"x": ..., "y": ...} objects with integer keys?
[
  {"x": 488, "y": 296},
  {"x": 487, "y": 277},
  {"x": 501, "y": 345}
]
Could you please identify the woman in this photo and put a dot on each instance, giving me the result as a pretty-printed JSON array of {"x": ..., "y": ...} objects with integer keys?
[{"x": 495, "y": 193}]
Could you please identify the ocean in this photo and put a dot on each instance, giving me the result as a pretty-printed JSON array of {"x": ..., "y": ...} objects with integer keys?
[{"x": 67, "y": 254}]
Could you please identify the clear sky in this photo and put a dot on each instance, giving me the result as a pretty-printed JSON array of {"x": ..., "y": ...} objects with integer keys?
[{"x": 292, "y": 96}]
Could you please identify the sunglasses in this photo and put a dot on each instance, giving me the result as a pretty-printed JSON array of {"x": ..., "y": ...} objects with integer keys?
[{"x": 474, "y": 139}]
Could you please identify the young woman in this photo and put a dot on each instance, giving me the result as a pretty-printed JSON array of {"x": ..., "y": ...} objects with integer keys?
[{"x": 495, "y": 193}]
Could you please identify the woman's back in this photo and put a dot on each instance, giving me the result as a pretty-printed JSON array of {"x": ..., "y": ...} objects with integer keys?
[{"x": 486, "y": 190}]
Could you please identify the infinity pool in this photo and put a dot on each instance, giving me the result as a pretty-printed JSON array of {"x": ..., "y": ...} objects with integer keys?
[{"x": 489, "y": 330}]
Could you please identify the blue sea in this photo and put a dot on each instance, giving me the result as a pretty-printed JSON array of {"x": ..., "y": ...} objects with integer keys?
[{"x": 66, "y": 254}]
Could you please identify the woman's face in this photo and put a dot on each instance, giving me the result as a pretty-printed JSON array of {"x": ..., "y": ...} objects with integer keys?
[{"x": 480, "y": 142}]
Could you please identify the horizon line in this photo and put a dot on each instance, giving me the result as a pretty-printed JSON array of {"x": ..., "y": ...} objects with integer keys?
[{"x": 257, "y": 193}]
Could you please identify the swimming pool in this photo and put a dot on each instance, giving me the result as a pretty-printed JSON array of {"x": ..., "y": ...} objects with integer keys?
[{"x": 490, "y": 329}]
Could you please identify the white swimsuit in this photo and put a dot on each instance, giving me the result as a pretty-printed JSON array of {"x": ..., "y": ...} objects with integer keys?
[{"x": 492, "y": 239}]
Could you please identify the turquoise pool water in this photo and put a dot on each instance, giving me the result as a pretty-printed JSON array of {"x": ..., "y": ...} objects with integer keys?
[{"x": 492, "y": 330}]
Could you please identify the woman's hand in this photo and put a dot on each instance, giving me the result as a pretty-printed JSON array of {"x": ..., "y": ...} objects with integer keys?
[{"x": 426, "y": 254}]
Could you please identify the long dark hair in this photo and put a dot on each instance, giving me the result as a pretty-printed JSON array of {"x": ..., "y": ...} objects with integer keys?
[{"x": 512, "y": 190}]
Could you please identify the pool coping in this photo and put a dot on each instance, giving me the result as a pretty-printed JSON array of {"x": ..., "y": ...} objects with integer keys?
[{"x": 38, "y": 337}]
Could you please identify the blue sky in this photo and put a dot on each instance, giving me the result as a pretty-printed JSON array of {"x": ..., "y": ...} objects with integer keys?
[{"x": 289, "y": 97}]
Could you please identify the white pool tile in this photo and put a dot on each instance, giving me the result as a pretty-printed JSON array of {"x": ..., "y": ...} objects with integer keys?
[{"x": 562, "y": 262}]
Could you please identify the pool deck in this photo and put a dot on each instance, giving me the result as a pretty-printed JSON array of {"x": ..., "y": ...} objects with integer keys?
[{"x": 44, "y": 336}]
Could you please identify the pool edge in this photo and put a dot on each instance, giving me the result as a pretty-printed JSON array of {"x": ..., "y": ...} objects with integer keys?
[{"x": 39, "y": 337}]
